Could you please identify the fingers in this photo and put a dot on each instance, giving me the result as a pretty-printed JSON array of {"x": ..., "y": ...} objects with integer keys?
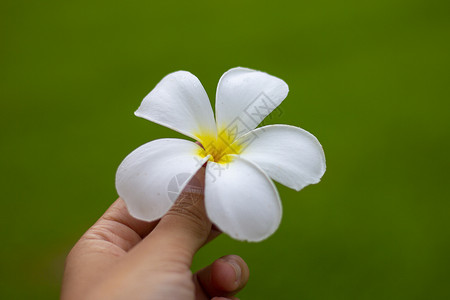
[
  {"x": 223, "y": 278},
  {"x": 118, "y": 212},
  {"x": 115, "y": 233},
  {"x": 119, "y": 227},
  {"x": 183, "y": 230}
]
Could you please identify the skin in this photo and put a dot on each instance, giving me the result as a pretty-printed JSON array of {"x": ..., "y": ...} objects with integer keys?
[{"x": 121, "y": 257}]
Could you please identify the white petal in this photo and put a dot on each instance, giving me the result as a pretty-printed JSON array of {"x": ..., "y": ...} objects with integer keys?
[
  {"x": 241, "y": 200},
  {"x": 151, "y": 177},
  {"x": 288, "y": 154},
  {"x": 180, "y": 102},
  {"x": 245, "y": 97}
]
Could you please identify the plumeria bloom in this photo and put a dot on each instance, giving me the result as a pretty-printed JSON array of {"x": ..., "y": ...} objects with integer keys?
[{"x": 240, "y": 197}]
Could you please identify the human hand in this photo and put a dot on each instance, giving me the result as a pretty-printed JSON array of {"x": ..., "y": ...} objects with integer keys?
[{"x": 120, "y": 257}]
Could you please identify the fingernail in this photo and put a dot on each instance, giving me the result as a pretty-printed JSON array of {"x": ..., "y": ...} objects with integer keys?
[{"x": 236, "y": 267}]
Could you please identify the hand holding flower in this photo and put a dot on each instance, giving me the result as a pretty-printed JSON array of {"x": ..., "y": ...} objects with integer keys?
[{"x": 120, "y": 257}]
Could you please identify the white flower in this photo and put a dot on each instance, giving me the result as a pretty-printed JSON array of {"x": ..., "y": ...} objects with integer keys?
[{"x": 240, "y": 197}]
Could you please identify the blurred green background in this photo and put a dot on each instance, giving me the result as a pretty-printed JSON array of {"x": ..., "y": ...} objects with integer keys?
[{"x": 369, "y": 78}]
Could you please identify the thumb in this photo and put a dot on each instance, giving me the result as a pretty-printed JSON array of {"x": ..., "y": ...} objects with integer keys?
[{"x": 184, "y": 228}]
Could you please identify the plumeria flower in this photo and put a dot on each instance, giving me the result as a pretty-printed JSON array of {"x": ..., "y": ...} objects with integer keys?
[{"x": 240, "y": 197}]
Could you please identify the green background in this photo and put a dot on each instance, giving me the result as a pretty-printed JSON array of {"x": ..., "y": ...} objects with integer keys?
[{"x": 370, "y": 79}]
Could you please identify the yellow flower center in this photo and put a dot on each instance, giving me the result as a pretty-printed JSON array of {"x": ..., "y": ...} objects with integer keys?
[{"x": 219, "y": 148}]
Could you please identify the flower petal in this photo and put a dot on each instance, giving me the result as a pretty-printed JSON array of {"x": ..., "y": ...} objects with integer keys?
[
  {"x": 241, "y": 200},
  {"x": 288, "y": 154},
  {"x": 180, "y": 102},
  {"x": 245, "y": 97},
  {"x": 151, "y": 177}
]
